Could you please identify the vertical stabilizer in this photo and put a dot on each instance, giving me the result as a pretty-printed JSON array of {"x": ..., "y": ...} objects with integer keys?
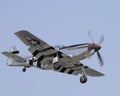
[{"x": 13, "y": 50}]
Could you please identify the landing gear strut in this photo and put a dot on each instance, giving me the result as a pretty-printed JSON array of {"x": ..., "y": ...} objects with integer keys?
[
  {"x": 56, "y": 62},
  {"x": 83, "y": 78}
]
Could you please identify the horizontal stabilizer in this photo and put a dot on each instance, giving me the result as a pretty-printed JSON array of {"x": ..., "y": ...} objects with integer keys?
[{"x": 16, "y": 58}]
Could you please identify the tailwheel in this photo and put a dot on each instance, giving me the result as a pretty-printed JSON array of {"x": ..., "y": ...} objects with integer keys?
[
  {"x": 24, "y": 69},
  {"x": 83, "y": 79}
]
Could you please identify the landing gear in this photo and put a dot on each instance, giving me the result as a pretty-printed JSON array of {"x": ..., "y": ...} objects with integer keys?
[
  {"x": 56, "y": 62},
  {"x": 56, "y": 66},
  {"x": 83, "y": 79},
  {"x": 24, "y": 69}
]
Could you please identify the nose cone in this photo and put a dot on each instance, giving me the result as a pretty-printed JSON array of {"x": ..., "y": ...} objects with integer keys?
[{"x": 96, "y": 47}]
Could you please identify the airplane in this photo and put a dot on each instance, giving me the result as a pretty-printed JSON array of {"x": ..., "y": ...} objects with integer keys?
[{"x": 47, "y": 57}]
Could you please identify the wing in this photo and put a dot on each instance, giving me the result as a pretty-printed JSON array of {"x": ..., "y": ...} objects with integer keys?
[
  {"x": 16, "y": 58},
  {"x": 41, "y": 49},
  {"x": 77, "y": 70}
]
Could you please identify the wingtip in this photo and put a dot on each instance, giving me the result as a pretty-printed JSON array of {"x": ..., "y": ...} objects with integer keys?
[
  {"x": 3, "y": 52},
  {"x": 21, "y": 31},
  {"x": 103, "y": 74}
]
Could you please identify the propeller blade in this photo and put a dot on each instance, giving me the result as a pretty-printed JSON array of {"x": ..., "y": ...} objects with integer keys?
[
  {"x": 101, "y": 39},
  {"x": 100, "y": 59},
  {"x": 90, "y": 36}
]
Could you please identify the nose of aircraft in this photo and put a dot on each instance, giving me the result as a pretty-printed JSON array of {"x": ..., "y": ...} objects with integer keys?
[
  {"x": 94, "y": 46},
  {"x": 97, "y": 47}
]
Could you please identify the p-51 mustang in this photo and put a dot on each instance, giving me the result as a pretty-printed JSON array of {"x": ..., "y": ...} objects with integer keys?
[{"x": 47, "y": 57}]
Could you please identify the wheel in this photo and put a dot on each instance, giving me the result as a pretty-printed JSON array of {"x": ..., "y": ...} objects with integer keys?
[
  {"x": 83, "y": 79},
  {"x": 56, "y": 66},
  {"x": 24, "y": 69}
]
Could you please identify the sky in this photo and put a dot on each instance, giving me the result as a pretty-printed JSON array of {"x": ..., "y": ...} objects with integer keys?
[{"x": 60, "y": 22}]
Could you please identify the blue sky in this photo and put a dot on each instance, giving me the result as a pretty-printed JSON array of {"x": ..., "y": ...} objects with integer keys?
[{"x": 60, "y": 22}]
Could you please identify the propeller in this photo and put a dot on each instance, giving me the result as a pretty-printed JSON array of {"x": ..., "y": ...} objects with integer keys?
[
  {"x": 97, "y": 47},
  {"x": 100, "y": 58},
  {"x": 90, "y": 36},
  {"x": 101, "y": 39}
]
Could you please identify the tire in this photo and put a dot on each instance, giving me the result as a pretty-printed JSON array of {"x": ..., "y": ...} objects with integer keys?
[
  {"x": 24, "y": 70},
  {"x": 83, "y": 79},
  {"x": 56, "y": 66}
]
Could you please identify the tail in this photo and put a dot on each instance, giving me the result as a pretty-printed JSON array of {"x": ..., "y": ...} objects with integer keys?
[
  {"x": 10, "y": 60},
  {"x": 11, "y": 55}
]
